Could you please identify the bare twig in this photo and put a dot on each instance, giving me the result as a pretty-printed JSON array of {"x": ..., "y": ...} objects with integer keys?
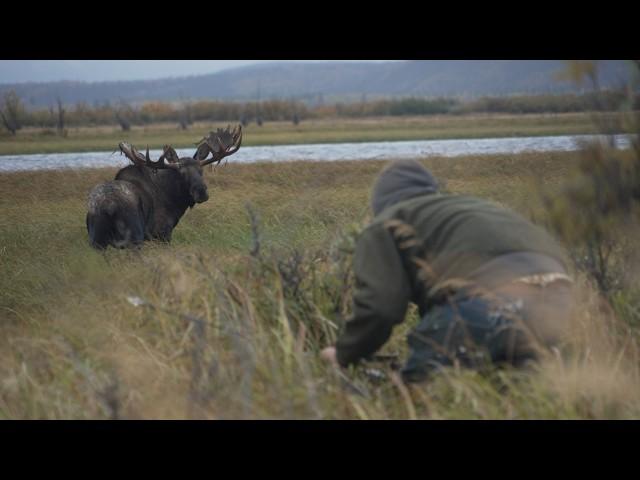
[{"x": 255, "y": 233}]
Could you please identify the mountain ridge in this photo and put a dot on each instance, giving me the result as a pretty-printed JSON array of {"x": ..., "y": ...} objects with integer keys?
[{"x": 315, "y": 81}]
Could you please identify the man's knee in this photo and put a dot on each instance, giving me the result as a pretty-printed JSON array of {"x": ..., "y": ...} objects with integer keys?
[{"x": 477, "y": 331}]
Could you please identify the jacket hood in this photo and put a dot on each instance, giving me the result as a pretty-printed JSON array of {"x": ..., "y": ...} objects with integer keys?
[{"x": 401, "y": 180}]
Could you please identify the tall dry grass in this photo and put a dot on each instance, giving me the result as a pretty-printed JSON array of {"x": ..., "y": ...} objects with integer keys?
[{"x": 228, "y": 320}]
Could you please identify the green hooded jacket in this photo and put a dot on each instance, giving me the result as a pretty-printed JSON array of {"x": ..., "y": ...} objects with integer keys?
[{"x": 422, "y": 245}]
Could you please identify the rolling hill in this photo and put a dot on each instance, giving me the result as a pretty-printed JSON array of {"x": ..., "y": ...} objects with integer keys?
[{"x": 331, "y": 80}]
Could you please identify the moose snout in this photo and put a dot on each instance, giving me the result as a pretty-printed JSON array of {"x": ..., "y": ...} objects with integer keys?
[{"x": 200, "y": 194}]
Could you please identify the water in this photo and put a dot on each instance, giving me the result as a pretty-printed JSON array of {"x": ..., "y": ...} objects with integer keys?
[{"x": 321, "y": 152}]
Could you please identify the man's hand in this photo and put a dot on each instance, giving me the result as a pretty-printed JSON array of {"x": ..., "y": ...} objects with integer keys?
[{"x": 329, "y": 354}]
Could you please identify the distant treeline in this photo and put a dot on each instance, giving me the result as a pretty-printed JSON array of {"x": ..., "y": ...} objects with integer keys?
[
  {"x": 186, "y": 113},
  {"x": 591, "y": 102}
]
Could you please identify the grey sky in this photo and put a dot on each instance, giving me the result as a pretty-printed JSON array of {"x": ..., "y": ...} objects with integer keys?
[{"x": 18, "y": 71}]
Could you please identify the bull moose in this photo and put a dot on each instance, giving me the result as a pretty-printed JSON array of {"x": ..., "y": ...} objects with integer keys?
[{"x": 146, "y": 200}]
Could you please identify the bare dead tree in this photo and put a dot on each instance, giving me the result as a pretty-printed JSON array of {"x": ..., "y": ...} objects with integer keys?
[
  {"x": 296, "y": 119},
  {"x": 60, "y": 123},
  {"x": 258, "y": 108},
  {"x": 587, "y": 71},
  {"x": 52, "y": 116},
  {"x": 123, "y": 114},
  {"x": 123, "y": 121},
  {"x": 11, "y": 112},
  {"x": 605, "y": 188},
  {"x": 185, "y": 116}
]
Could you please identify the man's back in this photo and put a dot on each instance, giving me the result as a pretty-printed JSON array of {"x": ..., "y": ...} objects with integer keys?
[{"x": 457, "y": 235}]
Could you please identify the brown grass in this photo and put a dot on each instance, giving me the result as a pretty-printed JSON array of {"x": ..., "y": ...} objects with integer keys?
[{"x": 73, "y": 346}]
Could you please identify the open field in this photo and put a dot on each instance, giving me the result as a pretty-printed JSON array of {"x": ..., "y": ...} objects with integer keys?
[
  {"x": 82, "y": 139},
  {"x": 72, "y": 346}
]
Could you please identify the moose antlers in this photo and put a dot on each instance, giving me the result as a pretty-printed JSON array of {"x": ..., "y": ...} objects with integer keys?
[
  {"x": 221, "y": 144},
  {"x": 145, "y": 161}
]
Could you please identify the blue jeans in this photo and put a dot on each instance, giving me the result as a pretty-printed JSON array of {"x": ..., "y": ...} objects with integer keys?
[{"x": 474, "y": 332}]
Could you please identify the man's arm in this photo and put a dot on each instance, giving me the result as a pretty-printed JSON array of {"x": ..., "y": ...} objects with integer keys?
[{"x": 381, "y": 298}]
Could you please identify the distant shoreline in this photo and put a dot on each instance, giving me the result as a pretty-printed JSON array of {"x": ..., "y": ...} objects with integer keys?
[{"x": 378, "y": 129}]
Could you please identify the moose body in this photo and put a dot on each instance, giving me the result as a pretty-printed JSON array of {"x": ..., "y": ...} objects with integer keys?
[{"x": 146, "y": 200}]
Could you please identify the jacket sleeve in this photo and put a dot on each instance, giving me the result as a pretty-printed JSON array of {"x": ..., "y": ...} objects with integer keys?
[{"x": 382, "y": 294}]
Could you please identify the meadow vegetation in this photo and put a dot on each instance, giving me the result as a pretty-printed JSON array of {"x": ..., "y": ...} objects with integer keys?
[
  {"x": 227, "y": 321},
  {"x": 29, "y": 140}
]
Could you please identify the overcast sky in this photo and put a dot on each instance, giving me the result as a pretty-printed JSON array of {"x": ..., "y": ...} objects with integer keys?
[{"x": 17, "y": 71}]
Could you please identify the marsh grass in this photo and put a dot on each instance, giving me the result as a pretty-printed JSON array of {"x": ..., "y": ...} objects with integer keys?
[{"x": 203, "y": 328}]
